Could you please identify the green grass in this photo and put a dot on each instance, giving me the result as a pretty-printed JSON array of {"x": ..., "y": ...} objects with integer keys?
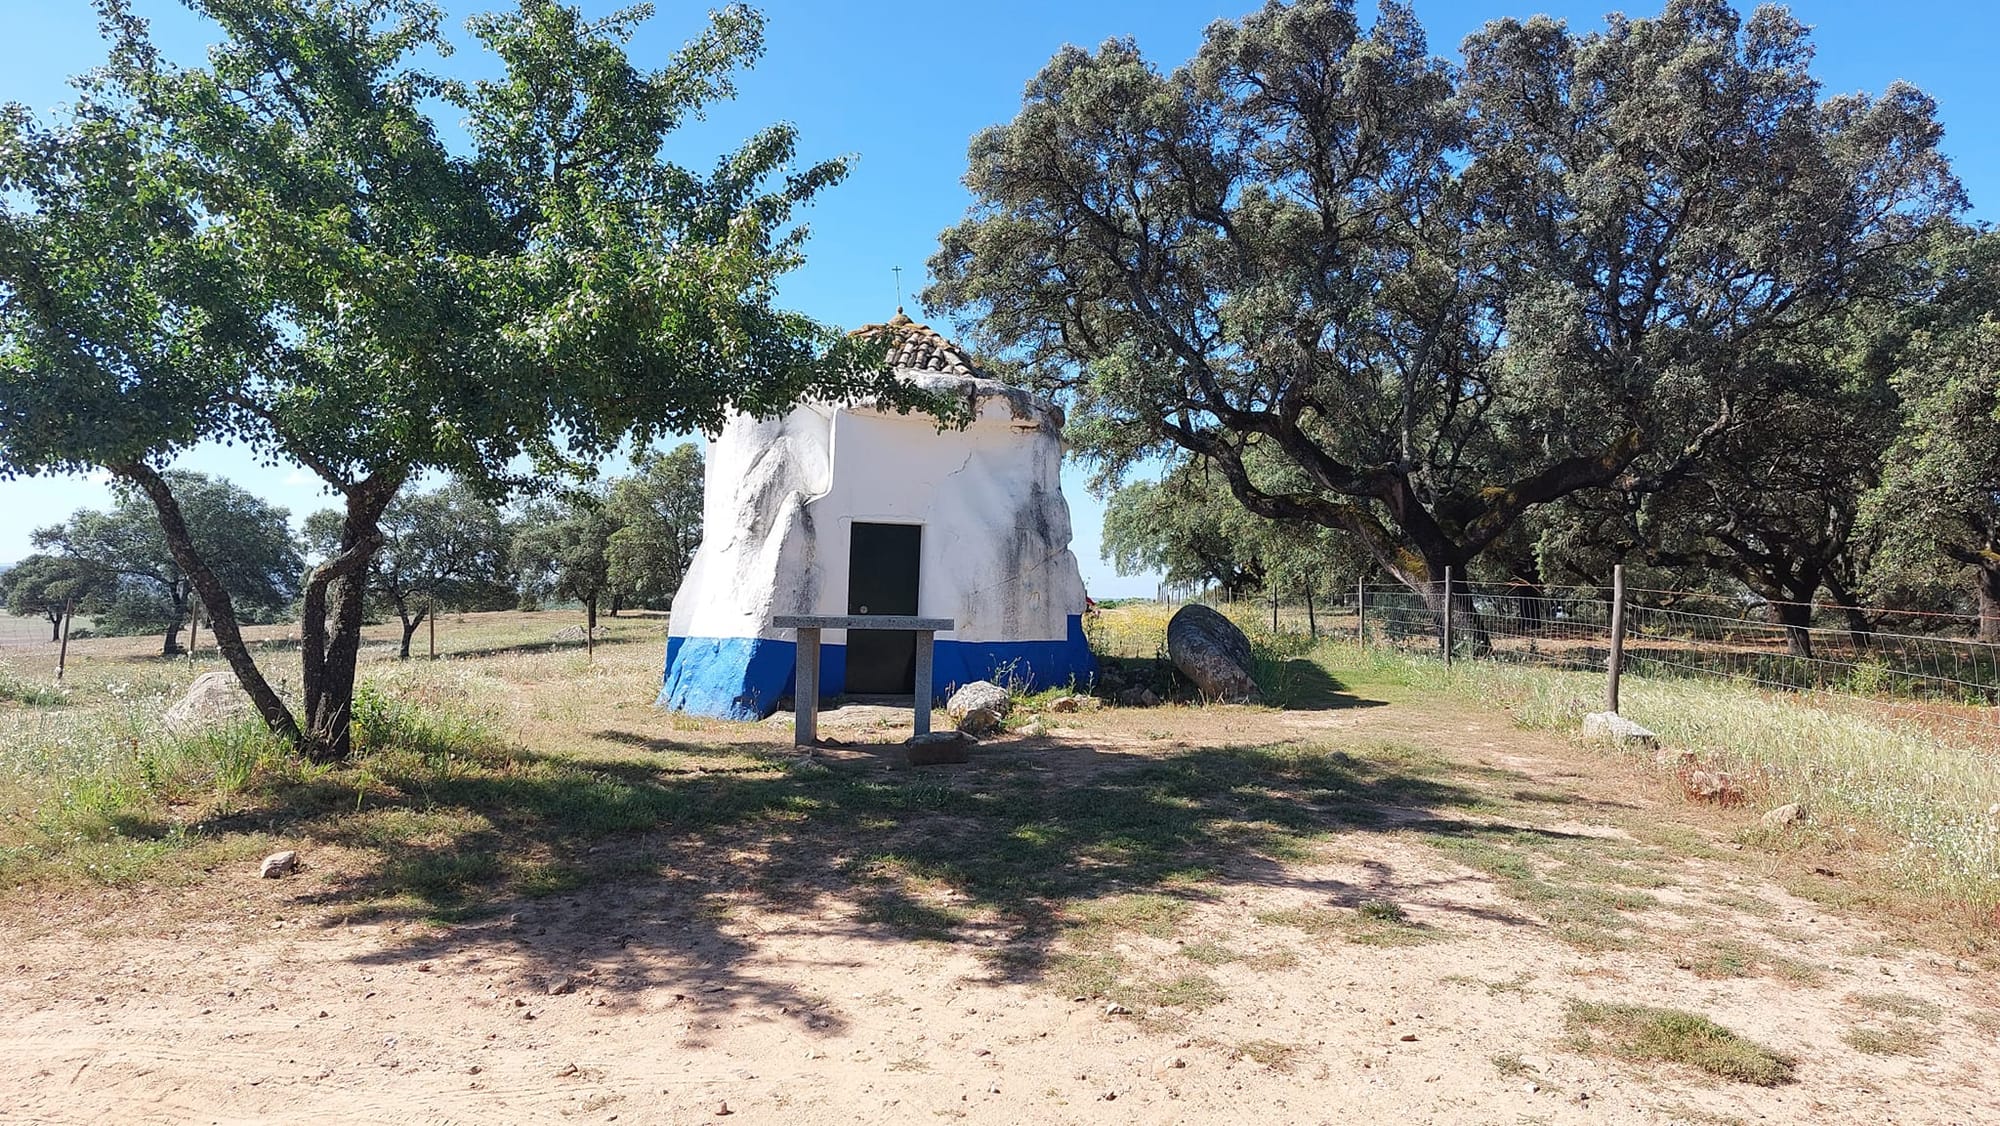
[
  {"x": 1722, "y": 958},
  {"x": 1148, "y": 914},
  {"x": 1210, "y": 954},
  {"x": 108, "y": 796},
  {"x": 1642, "y": 1032}
]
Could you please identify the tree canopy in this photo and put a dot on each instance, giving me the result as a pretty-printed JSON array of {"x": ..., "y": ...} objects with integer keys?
[
  {"x": 658, "y": 514},
  {"x": 53, "y": 588},
  {"x": 279, "y": 249},
  {"x": 445, "y": 548},
  {"x": 1940, "y": 486},
  {"x": 562, "y": 549},
  {"x": 1417, "y": 302},
  {"x": 247, "y": 541}
]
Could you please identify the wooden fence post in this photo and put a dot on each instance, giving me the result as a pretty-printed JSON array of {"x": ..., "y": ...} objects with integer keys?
[{"x": 1617, "y": 659}]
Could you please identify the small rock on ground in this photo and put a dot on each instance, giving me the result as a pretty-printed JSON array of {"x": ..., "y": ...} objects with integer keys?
[
  {"x": 279, "y": 864},
  {"x": 1784, "y": 815}
]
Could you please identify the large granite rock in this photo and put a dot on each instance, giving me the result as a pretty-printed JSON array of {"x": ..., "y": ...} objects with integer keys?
[
  {"x": 1610, "y": 727},
  {"x": 213, "y": 699},
  {"x": 980, "y": 707},
  {"x": 1208, "y": 649}
]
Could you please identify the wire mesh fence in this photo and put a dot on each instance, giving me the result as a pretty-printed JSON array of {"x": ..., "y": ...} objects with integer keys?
[{"x": 1925, "y": 669}]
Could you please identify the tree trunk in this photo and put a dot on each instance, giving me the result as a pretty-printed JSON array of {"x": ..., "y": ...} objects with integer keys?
[
  {"x": 1312, "y": 623},
  {"x": 617, "y": 602},
  {"x": 171, "y": 647},
  {"x": 221, "y": 609},
  {"x": 1796, "y": 617},
  {"x": 1468, "y": 626},
  {"x": 590, "y": 615},
  {"x": 1859, "y": 629},
  {"x": 62, "y": 654},
  {"x": 1531, "y": 606},
  {"x": 55, "y": 626},
  {"x": 330, "y": 658},
  {"x": 1987, "y": 580},
  {"x": 410, "y": 625},
  {"x": 1469, "y": 633}
]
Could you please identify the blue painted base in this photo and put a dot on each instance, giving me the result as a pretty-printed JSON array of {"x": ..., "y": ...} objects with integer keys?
[{"x": 745, "y": 677}]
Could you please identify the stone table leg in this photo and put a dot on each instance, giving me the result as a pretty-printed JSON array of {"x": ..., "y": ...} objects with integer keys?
[
  {"x": 923, "y": 686},
  {"x": 805, "y": 689}
]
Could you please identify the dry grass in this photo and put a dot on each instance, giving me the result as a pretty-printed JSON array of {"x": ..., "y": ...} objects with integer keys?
[
  {"x": 1372, "y": 923},
  {"x": 1857, "y": 773},
  {"x": 1899, "y": 1038}
]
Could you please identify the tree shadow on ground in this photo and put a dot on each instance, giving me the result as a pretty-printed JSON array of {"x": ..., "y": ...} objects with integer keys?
[
  {"x": 634, "y": 872},
  {"x": 1302, "y": 684}
]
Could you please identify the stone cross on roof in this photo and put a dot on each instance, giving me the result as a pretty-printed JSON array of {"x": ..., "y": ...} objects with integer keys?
[{"x": 918, "y": 347}]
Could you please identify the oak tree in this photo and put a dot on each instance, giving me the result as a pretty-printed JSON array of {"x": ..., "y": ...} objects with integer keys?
[{"x": 1444, "y": 296}]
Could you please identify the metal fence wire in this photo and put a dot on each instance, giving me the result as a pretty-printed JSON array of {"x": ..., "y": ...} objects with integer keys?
[{"x": 1927, "y": 669}]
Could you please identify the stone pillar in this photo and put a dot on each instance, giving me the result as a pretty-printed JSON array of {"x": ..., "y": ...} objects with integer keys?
[
  {"x": 923, "y": 684},
  {"x": 805, "y": 690}
]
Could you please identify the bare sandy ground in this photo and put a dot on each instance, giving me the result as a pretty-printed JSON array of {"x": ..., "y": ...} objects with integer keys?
[{"x": 685, "y": 998}]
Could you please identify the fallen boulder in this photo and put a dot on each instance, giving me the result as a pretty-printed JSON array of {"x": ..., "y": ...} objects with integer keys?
[
  {"x": 1139, "y": 698},
  {"x": 1210, "y": 651}
]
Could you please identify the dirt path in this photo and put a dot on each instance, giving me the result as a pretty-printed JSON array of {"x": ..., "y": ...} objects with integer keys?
[{"x": 763, "y": 977}]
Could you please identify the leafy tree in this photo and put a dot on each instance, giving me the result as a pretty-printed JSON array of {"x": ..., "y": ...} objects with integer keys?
[
  {"x": 658, "y": 512},
  {"x": 255, "y": 561},
  {"x": 1442, "y": 298},
  {"x": 563, "y": 550},
  {"x": 443, "y": 548},
  {"x": 278, "y": 249},
  {"x": 51, "y": 587},
  {"x": 1190, "y": 528},
  {"x": 1777, "y": 506},
  {"x": 1940, "y": 488},
  {"x": 1187, "y": 527}
]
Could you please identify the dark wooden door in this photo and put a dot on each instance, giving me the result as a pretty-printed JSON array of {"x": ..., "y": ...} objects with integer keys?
[{"x": 883, "y": 562}]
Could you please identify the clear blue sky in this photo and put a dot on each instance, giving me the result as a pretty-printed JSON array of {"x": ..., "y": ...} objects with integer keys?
[{"x": 903, "y": 85}]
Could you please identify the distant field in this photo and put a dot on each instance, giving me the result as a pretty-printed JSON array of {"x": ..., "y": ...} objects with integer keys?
[
  {"x": 23, "y": 631},
  {"x": 457, "y": 634}
]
